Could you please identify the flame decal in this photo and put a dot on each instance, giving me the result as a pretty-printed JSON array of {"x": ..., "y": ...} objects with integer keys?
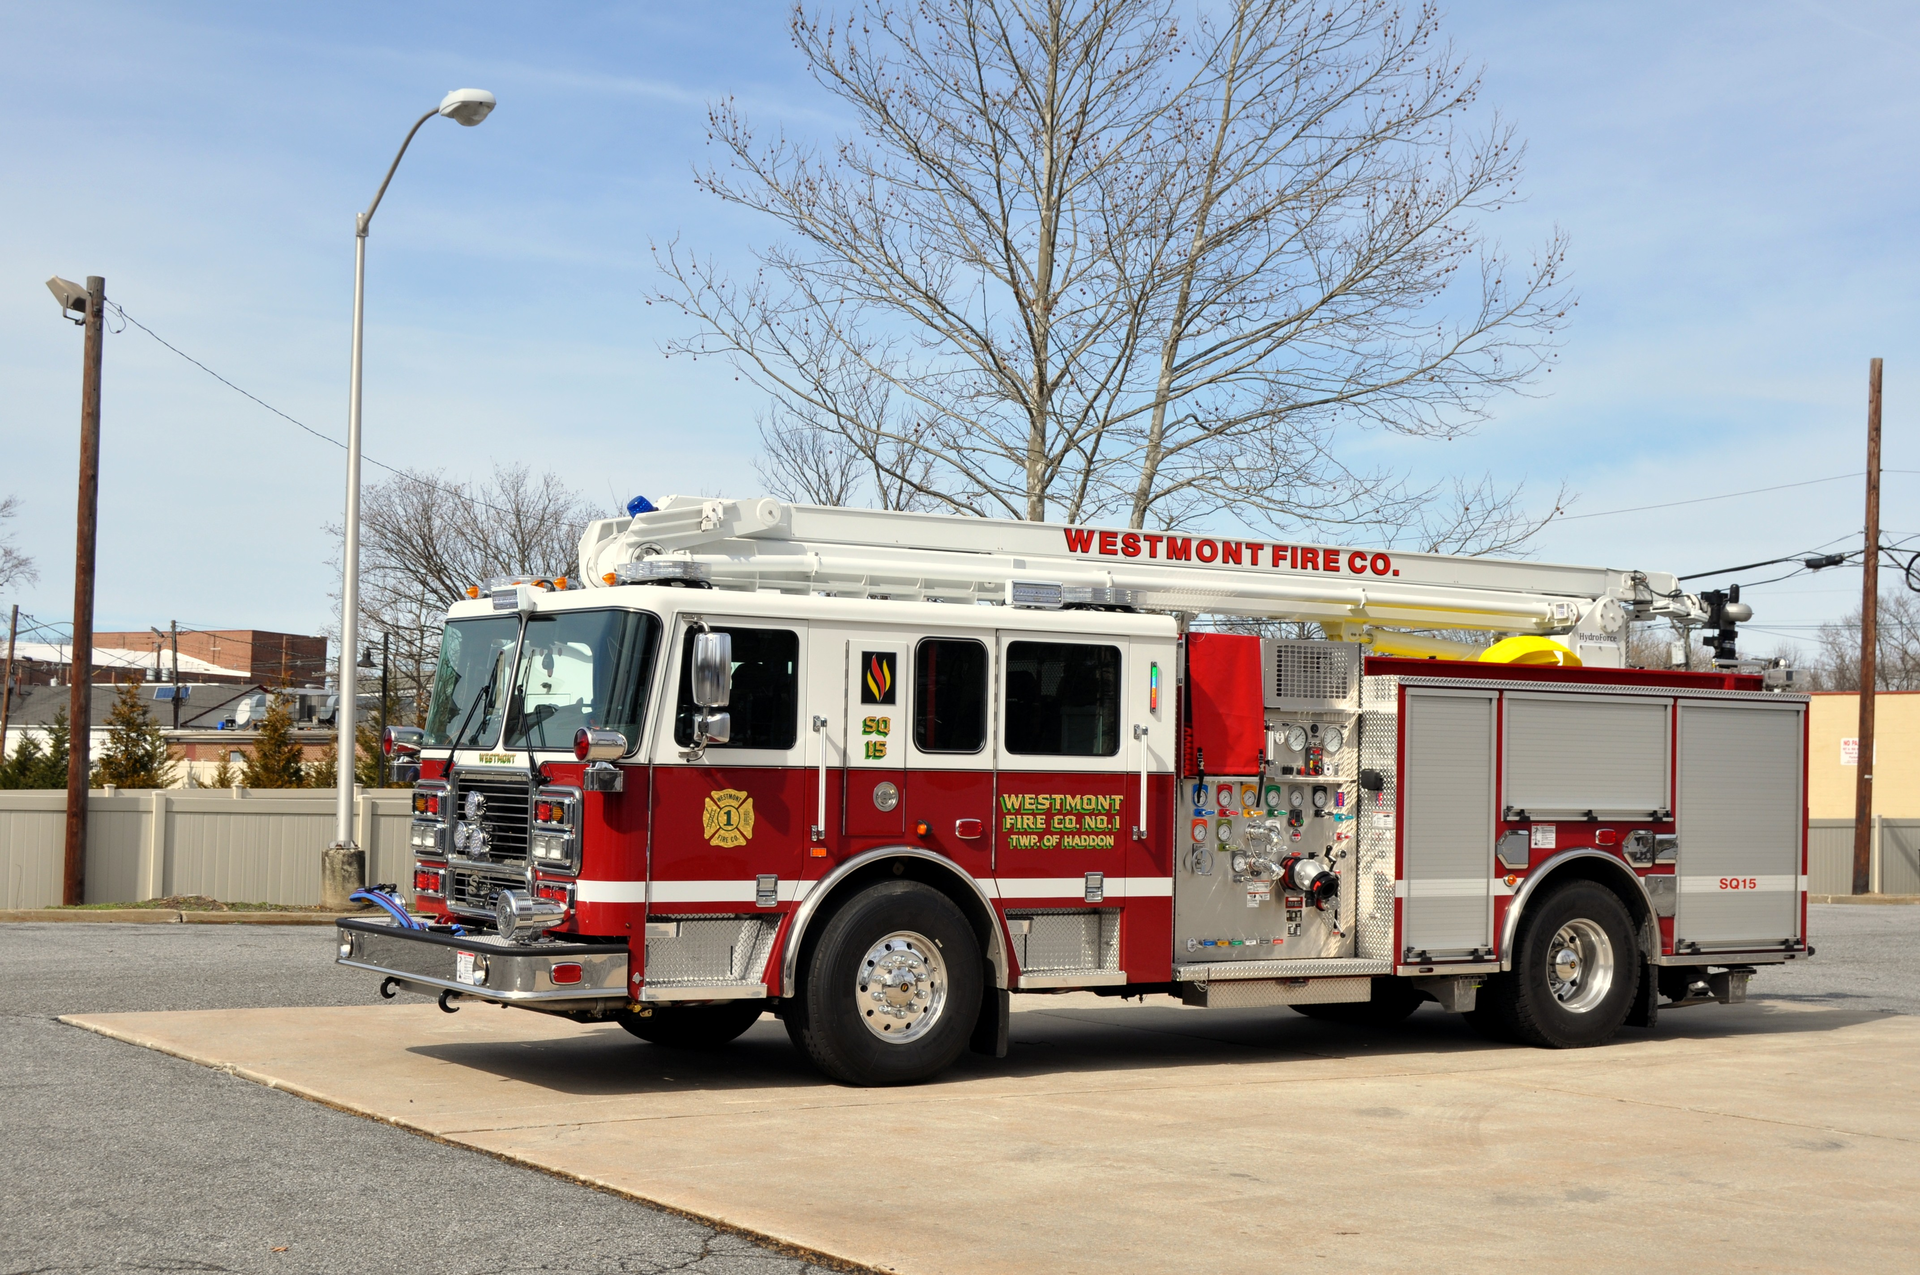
[{"x": 879, "y": 677}]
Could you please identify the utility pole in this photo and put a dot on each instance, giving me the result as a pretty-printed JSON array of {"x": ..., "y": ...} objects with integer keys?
[
  {"x": 380, "y": 754},
  {"x": 1869, "y": 640},
  {"x": 80, "y": 702},
  {"x": 6, "y": 685},
  {"x": 173, "y": 627}
]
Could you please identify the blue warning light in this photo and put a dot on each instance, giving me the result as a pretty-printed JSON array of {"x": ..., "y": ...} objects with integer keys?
[{"x": 639, "y": 505}]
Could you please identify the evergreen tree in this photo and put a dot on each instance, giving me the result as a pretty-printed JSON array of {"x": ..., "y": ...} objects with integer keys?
[
  {"x": 223, "y": 776},
  {"x": 136, "y": 755},
  {"x": 37, "y": 765},
  {"x": 275, "y": 759},
  {"x": 325, "y": 772}
]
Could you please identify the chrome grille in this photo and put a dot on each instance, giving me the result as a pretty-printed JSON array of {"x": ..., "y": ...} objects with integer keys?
[
  {"x": 505, "y": 818},
  {"x": 477, "y": 891}
]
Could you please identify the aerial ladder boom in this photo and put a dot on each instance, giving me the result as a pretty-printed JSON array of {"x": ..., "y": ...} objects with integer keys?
[{"x": 1357, "y": 595}]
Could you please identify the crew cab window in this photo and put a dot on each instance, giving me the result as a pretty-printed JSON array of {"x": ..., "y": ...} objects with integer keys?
[
  {"x": 950, "y": 696},
  {"x": 1063, "y": 699},
  {"x": 765, "y": 705},
  {"x": 581, "y": 668}
]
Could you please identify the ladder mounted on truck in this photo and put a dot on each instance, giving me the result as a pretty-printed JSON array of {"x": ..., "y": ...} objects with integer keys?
[{"x": 1356, "y": 595}]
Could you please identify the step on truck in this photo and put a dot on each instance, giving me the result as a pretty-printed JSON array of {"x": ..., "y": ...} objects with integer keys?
[{"x": 876, "y": 773}]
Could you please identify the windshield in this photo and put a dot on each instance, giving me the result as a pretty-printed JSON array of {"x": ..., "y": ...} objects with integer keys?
[
  {"x": 470, "y": 688},
  {"x": 582, "y": 668}
]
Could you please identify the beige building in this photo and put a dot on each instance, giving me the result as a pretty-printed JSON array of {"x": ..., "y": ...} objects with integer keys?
[{"x": 1833, "y": 730}]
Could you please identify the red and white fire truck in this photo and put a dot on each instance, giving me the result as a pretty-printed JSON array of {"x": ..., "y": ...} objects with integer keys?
[{"x": 876, "y": 772}]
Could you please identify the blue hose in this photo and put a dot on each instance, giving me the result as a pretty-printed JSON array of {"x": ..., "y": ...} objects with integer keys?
[{"x": 382, "y": 899}]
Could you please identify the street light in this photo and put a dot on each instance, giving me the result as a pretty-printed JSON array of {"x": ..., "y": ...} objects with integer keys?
[{"x": 342, "y": 868}]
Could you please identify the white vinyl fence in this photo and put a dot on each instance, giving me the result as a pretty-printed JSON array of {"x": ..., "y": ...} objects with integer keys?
[
  {"x": 1894, "y": 866},
  {"x": 259, "y": 846}
]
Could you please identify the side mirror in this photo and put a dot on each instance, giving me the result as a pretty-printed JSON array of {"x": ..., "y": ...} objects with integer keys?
[
  {"x": 712, "y": 669},
  {"x": 713, "y": 728}
]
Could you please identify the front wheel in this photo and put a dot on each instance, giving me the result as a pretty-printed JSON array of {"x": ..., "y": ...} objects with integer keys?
[
  {"x": 694, "y": 1026},
  {"x": 891, "y": 992},
  {"x": 1576, "y": 970}
]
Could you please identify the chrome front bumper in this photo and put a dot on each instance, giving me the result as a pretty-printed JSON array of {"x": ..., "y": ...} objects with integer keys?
[{"x": 484, "y": 966}]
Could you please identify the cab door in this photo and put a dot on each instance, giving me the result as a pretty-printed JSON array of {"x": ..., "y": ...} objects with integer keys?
[
  {"x": 731, "y": 826},
  {"x": 1065, "y": 809},
  {"x": 948, "y": 740},
  {"x": 875, "y": 787}
]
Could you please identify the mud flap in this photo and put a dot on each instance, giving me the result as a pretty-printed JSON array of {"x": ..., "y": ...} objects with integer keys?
[
  {"x": 1645, "y": 1011},
  {"x": 990, "y": 1030}
]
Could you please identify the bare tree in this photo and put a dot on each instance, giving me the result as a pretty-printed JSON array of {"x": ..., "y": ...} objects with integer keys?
[
  {"x": 1100, "y": 263},
  {"x": 425, "y": 539},
  {"x": 1896, "y": 661},
  {"x": 15, "y": 566}
]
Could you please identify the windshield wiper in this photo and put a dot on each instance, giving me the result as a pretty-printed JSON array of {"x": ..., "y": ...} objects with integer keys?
[{"x": 486, "y": 696}]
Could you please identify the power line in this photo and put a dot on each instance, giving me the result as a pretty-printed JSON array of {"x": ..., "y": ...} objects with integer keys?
[
  {"x": 1700, "y": 500},
  {"x": 325, "y": 438}
]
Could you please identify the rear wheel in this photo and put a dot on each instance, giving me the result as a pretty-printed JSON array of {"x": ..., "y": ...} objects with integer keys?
[
  {"x": 1576, "y": 969},
  {"x": 694, "y": 1026},
  {"x": 1393, "y": 999},
  {"x": 891, "y": 992}
]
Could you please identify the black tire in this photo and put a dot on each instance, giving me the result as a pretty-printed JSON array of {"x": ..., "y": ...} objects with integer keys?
[
  {"x": 843, "y": 1018},
  {"x": 1393, "y": 999},
  {"x": 695, "y": 1026},
  {"x": 1566, "y": 994}
]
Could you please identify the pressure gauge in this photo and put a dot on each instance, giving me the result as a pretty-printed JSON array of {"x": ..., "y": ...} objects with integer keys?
[
  {"x": 1239, "y": 862},
  {"x": 1297, "y": 738},
  {"x": 1332, "y": 739},
  {"x": 1199, "y": 832},
  {"x": 1319, "y": 797},
  {"x": 1223, "y": 829},
  {"x": 1296, "y": 798},
  {"x": 1224, "y": 796}
]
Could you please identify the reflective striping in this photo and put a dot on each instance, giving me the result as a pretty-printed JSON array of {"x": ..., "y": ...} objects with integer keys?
[
  {"x": 669, "y": 892},
  {"x": 1076, "y": 888},
  {"x": 610, "y": 891},
  {"x": 1445, "y": 888},
  {"x": 1742, "y": 885},
  {"x": 664, "y": 892}
]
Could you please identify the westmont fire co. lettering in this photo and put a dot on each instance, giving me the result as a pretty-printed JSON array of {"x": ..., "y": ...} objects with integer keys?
[
  {"x": 1049, "y": 821},
  {"x": 1229, "y": 553}
]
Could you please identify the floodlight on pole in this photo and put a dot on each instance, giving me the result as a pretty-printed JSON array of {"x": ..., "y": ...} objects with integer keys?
[{"x": 342, "y": 868}]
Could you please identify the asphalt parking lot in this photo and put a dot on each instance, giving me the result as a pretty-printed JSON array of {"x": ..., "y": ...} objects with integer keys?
[{"x": 126, "y": 1159}]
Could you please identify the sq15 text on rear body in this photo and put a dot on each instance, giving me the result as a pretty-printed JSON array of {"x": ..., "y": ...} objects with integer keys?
[{"x": 877, "y": 772}]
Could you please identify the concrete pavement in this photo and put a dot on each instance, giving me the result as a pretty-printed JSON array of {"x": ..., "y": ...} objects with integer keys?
[
  {"x": 1123, "y": 1138},
  {"x": 126, "y": 1159}
]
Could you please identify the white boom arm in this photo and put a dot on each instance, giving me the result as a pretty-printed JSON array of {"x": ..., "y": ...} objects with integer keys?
[{"x": 767, "y": 544}]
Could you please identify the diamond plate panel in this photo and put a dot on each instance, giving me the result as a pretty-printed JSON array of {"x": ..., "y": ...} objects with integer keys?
[
  {"x": 711, "y": 950},
  {"x": 1069, "y": 940},
  {"x": 1379, "y": 743}
]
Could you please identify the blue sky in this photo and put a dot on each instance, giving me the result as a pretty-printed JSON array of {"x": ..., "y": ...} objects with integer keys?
[{"x": 1738, "y": 182}]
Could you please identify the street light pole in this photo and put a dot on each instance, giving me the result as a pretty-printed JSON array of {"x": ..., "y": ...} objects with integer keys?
[{"x": 343, "y": 868}]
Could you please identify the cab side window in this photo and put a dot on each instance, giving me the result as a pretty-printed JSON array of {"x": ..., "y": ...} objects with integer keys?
[
  {"x": 1063, "y": 699},
  {"x": 765, "y": 704},
  {"x": 950, "y": 696}
]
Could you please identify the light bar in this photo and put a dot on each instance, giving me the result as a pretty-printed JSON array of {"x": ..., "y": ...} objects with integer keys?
[
  {"x": 1034, "y": 595},
  {"x": 662, "y": 570}
]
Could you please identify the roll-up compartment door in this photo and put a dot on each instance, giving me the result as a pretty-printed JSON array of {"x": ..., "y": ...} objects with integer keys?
[
  {"x": 1740, "y": 813},
  {"x": 1570, "y": 754},
  {"x": 1447, "y": 834}
]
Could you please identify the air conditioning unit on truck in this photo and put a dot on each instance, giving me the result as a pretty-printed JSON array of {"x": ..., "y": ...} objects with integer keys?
[{"x": 877, "y": 772}]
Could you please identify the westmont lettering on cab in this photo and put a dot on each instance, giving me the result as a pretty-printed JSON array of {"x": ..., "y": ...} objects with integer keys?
[{"x": 1229, "y": 553}]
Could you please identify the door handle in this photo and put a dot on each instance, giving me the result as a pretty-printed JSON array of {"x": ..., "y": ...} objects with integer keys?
[
  {"x": 969, "y": 829},
  {"x": 1140, "y": 735},
  {"x": 819, "y": 829}
]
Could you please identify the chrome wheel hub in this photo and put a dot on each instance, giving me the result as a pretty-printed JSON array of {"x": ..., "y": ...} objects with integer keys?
[
  {"x": 901, "y": 987},
  {"x": 1580, "y": 965}
]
